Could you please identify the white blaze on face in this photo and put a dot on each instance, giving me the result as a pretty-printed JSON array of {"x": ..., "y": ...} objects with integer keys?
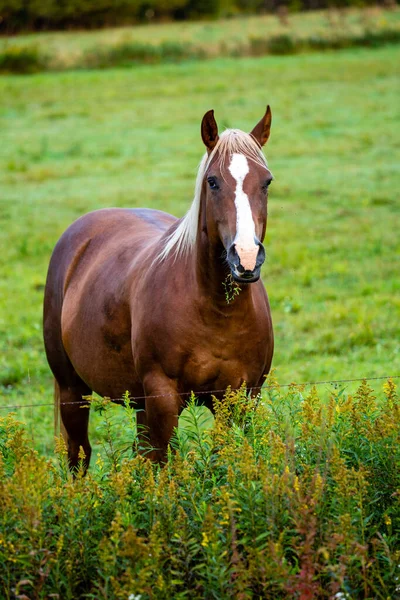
[{"x": 244, "y": 241}]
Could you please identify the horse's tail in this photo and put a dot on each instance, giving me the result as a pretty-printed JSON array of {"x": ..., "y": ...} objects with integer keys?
[{"x": 58, "y": 424}]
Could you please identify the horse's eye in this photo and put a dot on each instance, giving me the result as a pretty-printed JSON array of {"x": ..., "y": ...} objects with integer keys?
[
  {"x": 212, "y": 182},
  {"x": 266, "y": 185}
]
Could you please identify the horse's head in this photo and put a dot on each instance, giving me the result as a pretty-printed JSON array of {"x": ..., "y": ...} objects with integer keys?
[{"x": 236, "y": 184}]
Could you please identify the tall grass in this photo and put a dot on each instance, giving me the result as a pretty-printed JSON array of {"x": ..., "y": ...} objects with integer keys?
[
  {"x": 284, "y": 497},
  {"x": 329, "y": 30},
  {"x": 22, "y": 59}
]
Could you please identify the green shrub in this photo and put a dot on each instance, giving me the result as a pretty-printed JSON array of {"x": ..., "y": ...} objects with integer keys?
[
  {"x": 282, "y": 44},
  {"x": 21, "y": 59},
  {"x": 175, "y": 52},
  {"x": 285, "y": 496},
  {"x": 378, "y": 38},
  {"x": 120, "y": 55},
  {"x": 130, "y": 53},
  {"x": 278, "y": 44}
]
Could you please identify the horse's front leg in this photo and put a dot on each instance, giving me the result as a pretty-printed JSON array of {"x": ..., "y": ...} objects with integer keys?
[{"x": 163, "y": 407}]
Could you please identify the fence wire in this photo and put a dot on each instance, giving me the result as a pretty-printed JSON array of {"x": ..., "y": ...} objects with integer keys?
[{"x": 134, "y": 399}]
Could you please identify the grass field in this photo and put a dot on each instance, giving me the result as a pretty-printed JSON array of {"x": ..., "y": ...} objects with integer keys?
[
  {"x": 174, "y": 42},
  {"x": 79, "y": 141}
]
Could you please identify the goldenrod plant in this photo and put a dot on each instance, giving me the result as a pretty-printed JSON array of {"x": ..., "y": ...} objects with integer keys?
[{"x": 281, "y": 496}]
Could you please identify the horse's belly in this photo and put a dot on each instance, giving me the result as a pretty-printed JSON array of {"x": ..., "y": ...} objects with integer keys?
[
  {"x": 107, "y": 372},
  {"x": 111, "y": 378}
]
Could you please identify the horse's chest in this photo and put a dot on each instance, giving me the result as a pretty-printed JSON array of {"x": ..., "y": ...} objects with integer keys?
[
  {"x": 201, "y": 349},
  {"x": 216, "y": 362}
]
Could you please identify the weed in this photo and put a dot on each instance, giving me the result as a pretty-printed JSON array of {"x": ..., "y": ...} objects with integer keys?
[
  {"x": 232, "y": 288},
  {"x": 282, "y": 497}
]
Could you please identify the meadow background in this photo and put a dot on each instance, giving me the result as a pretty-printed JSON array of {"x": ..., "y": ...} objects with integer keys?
[{"x": 80, "y": 140}]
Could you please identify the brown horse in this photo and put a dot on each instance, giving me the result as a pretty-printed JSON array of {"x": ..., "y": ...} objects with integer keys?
[{"x": 135, "y": 298}]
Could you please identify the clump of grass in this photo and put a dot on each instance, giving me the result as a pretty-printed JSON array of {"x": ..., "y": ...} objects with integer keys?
[
  {"x": 22, "y": 59},
  {"x": 128, "y": 53},
  {"x": 289, "y": 44},
  {"x": 282, "y": 44},
  {"x": 231, "y": 289},
  {"x": 375, "y": 39},
  {"x": 11, "y": 375},
  {"x": 120, "y": 55},
  {"x": 285, "y": 496}
]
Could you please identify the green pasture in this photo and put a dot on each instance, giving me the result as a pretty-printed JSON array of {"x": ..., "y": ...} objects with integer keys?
[
  {"x": 211, "y": 34},
  {"x": 78, "y": 141}
]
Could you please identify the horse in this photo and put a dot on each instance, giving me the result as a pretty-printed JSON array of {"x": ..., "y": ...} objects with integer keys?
[{"x": 139, "y": 300}]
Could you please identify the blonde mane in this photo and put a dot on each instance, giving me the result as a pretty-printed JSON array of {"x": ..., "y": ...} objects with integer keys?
[{"x": 231, "y": 141}]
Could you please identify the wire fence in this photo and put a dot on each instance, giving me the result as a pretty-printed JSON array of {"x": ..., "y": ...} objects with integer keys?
[{"x": 134, "y": 399}]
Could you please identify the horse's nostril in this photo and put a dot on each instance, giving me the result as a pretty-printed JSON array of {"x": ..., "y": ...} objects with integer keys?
[
  {"x": 233, "y": 256},
  {"x": 260, "y": 255}
]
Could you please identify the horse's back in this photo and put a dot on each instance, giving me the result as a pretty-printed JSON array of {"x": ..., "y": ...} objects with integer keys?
[
  {"x": 136, "y": 225},
  {"x": 106, "y": 234}
]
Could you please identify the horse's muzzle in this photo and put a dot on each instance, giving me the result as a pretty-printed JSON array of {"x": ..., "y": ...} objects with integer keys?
[{"x": 239, "y": 273}]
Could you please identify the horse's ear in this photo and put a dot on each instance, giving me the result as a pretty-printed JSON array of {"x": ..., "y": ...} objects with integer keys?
[
  {"x": 209, "y": 130},
  {"x": 261, "y": 131}
]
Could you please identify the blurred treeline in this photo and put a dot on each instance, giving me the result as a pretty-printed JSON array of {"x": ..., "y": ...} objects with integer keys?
[{"x": 31, "y": 15}]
